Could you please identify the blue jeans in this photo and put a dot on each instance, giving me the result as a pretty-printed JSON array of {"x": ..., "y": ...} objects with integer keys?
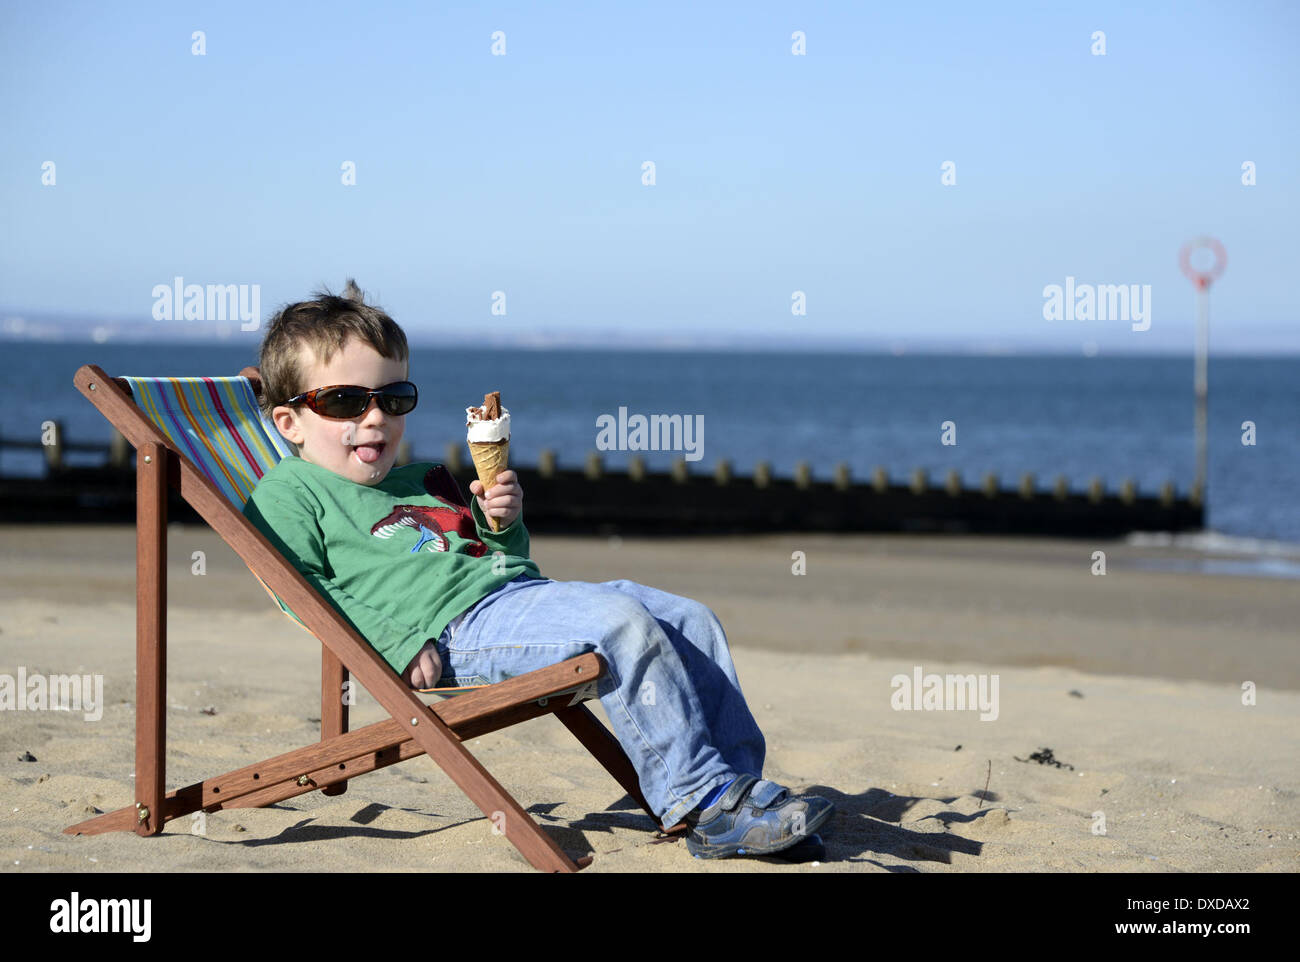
[{"x": 670, "y": 690}]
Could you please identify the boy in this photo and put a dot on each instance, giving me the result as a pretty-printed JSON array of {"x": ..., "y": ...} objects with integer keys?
[{"x": 447, "y": 601}]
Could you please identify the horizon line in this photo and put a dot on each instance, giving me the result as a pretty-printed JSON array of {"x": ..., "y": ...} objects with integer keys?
[
  {"x": 924, "y": 347},
  {"x": 45, "y": 327}
]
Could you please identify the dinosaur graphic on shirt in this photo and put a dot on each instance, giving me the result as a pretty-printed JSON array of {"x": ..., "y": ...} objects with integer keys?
[{"x": 432, "y": 524}]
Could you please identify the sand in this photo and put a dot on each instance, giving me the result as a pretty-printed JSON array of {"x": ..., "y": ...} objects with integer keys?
[{"x": 1133, "y": 678}]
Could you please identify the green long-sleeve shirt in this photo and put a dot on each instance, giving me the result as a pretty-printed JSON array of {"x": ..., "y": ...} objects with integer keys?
[{"x": 398, "y": 559}]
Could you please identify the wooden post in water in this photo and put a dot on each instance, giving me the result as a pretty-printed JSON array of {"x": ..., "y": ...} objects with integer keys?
[
  {"x": 119, "y": 451},
  {"x": 546, "y": 463},
  {"x": 53, "y": 444}
]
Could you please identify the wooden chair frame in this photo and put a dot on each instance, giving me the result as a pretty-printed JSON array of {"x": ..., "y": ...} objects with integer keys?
[{"x": 414, "y": 728}]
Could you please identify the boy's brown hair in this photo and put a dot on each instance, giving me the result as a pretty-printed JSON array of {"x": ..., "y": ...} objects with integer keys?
[{"x": 325, "y": 325}]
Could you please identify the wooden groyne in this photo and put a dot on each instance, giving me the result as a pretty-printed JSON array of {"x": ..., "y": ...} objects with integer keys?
[{"x": 593, "y": 500}]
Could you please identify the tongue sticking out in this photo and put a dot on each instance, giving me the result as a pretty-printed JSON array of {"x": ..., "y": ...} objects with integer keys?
[{"x": 369, "y": 453}]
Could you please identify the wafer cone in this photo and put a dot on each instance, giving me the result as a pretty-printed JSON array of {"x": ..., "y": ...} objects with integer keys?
[{"x": 490, "y": 458}]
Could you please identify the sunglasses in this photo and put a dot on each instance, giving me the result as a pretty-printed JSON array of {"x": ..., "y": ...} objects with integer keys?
[{"x": 342, "y": 402}]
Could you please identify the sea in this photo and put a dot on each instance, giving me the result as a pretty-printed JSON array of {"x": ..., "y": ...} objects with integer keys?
[{"x": 1077, "y": 416}]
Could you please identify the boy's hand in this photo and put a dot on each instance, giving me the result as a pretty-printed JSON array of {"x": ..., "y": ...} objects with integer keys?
[
  {"x": 504, "y": 500},
  {"x": 425, "y": 668}
]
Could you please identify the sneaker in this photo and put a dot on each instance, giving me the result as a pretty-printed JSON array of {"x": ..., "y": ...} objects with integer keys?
[
  {"x": 810, "y": 848},
  {"x": 756, "y": 817}
]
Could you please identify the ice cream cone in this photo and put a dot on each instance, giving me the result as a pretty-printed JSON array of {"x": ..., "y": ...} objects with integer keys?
[
  {"x": 487, "y": 432},
  {"x": 490, "y": 459}
]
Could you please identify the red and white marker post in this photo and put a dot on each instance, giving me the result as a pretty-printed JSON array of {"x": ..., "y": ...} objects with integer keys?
[{"x": 1202, "y": 279}]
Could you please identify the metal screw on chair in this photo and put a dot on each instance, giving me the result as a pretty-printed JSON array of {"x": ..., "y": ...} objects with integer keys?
[
  {"x": 148, "y": 458},
  {"x": 92, "y": 385},
  {"x": 542, "y": 702},
  {"x": 303, "y": 779},
  {"x": 142, "y": 811},
  {"x": 414, "y": 720}
]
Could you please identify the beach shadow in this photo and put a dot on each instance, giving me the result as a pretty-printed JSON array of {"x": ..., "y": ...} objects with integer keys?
[
  {"x": 307, "y": 831},
  {"x": 863, "y": 824},
  {"x": 368, "y": 814},
  {"x": 871, "y": 822},
  {"x": 567, "y": 835}
]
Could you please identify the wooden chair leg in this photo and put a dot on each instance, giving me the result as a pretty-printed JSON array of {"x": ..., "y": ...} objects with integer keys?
[
  {"x": 598, "y": 740},
  {"x": 379, "y": 745},
  {"x": 150, "y": 637},
  {"x": 334, "y": 703}
]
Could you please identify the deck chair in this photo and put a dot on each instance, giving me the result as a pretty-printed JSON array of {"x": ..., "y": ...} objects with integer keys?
[{"x": 206, "y": 437}]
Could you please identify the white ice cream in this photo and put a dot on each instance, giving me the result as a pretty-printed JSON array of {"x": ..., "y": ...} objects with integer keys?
[{"x": 481, "y": 432}]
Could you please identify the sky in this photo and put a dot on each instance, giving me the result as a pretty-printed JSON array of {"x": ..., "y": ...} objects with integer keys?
[{"x": 517, "y": 179}]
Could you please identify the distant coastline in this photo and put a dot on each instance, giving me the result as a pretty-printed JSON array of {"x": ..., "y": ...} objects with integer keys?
[
  {"x": 35, "y": 327},
  {"x": 542, "y": 343}
]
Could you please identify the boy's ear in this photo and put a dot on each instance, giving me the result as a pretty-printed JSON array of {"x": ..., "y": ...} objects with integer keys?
[{"x": 285, "y": 420}]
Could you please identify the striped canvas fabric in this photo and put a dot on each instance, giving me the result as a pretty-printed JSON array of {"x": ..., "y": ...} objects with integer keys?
[{"x": 216, "y": 423}]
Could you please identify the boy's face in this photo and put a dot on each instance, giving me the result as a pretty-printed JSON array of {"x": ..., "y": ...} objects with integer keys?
[{"x": 364, "y": 448}]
